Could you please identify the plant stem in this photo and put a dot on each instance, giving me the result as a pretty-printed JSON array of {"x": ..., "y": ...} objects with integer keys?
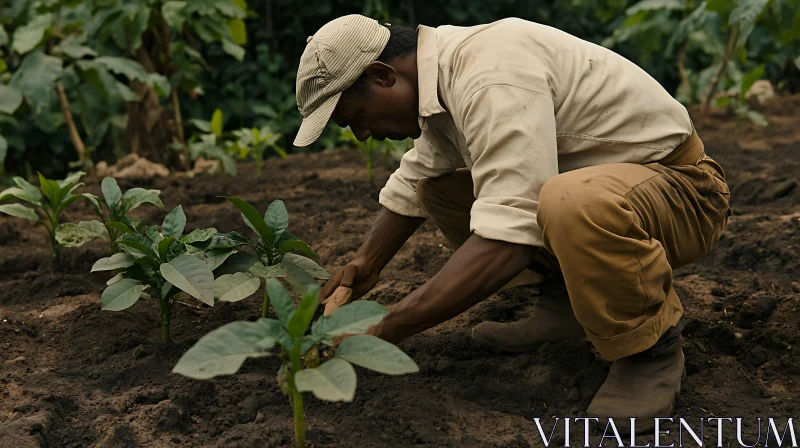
[
  {"x": 77, "y": 142},
  {"x": 297, "y": 398},
  {"x": 265, "y": 312},
  {"x": 732, "y": 35},
  {"x": 165, "y": 309}
]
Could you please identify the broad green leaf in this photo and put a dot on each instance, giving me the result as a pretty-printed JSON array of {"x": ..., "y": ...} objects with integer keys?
[
  {"x": 353, "y": 318},
  {"x": 297, "y": 275},
  {"x": 20, "y": 193},
  {"x": 36, "y": 78},
  {"x": 275, "y": 271},
  {"x": 224, "y": 350},
  {"x": 299, "y": 246},
  {"x": 74, "y": 235},
  {"x": 216, "y": 257},
  {"x": 238, "y": 31},
  {"x": 119, "y": 227},
  {"x": 304, "y": 313},
  {"x": 154, "y": 235},
  {"x": 277, "y": 218},
  {"x": 116, "y": 261},
  {"x": 237, "y": 262},
  {"x": 230, "y": 47},
  {"x": 166, "y": 290},
  {"x": 229, "y": 240},
  {"x": 253, "y": 217},
  {"x": 173, "y": 14},
  {"x": 744, "y": 17},
  {"x": 115, "y": 279},
  {"x": 71, "y": 47},
  {"x": 93, "y": 199},
  {"x": 307, "y": 265},
  {"x": 298, "y": 288},
  {"x": 202, "y": 125},
  {"x": 235, "y": 287},
  {"x": 138, "y": 196},
  {"x": 28, "y": 36},
  {"x": 19, "y": 211},
  {"x": 50, "y": 189},
  {"x": 192, "y": 276},
  {"x": 174, "y": 223},
  {"x": 216, "y": 123},
  {"x": 123, "y": 66},
  {"x": 10, "y": 99},
  {"x": 280, "y": 300},
  {"x": 111, "y": 192},
  {"x": 750, "y": 78},
  {"x": 334, "y": 380},
  {"x": 138, "y": 245},
  {"x": 199, "y": 235},
  {"x": 120, "y": 295},
  {"x": 163, "y": 246},
  {"x": 376, "y": 354}
]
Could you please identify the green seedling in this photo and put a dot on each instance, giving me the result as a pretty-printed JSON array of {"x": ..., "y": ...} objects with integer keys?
[
  {"x": 310, "y": 361},
  {"x": 254, "y": 142},
  {"x": 164, "y": 262},
  {"x": 114, "y": 209},
  {"x": 49, "y": 200},
  {"x": 273, "y": 258},
  {"x": 392, "y": 150}
]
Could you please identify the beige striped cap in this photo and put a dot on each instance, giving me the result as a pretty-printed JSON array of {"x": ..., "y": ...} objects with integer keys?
[{"x": 333, "y": 60}]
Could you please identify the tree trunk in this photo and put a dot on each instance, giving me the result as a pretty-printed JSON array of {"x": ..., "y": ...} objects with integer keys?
[
  {"x": 722, "y": 67},
  {"x": 77, "y": 141}
]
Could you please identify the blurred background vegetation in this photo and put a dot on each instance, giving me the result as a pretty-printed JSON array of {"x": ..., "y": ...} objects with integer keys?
[{"x": 173, "y": 81}]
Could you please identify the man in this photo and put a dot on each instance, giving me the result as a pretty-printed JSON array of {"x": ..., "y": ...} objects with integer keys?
[{"x": 534, "y": 151}]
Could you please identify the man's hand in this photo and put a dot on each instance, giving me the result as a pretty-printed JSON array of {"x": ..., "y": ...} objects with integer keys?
[{"x": 356, "y": 275}]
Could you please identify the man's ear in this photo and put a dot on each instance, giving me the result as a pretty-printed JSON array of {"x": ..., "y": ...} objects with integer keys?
[{"x": 380, "y": 74}]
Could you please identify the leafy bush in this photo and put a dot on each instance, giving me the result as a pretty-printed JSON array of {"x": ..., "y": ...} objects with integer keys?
[
  {"x": 328, "y": 372},
  {"x": 49, "y": 200},
  {"x": 166, "y": 262}
]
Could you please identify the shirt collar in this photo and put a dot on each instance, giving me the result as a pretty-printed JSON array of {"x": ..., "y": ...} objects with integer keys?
[{"x": 428, "y": 73}]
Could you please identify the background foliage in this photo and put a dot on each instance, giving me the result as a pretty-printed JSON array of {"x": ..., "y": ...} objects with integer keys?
[{"x": 127, "y": 66}]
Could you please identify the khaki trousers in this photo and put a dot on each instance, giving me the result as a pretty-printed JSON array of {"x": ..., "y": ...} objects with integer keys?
[{"x": 616, "y": 232}]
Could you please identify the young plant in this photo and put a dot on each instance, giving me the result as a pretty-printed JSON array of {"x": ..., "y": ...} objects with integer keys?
[
  {"x": 224, "y": 350},
  {"x": 272, "y": 247},
  {"x": 166, "y": 262},
  {"x": 392, "y": 150},
  {"x": 208, "y": 144},
  {"x": 117, "y": 205},
  {"x": 254, "y": 142},
  {"x": 49, "y": 200}
]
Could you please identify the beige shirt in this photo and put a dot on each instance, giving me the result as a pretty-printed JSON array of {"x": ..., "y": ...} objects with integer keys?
[{"x": 519, "y": 102}]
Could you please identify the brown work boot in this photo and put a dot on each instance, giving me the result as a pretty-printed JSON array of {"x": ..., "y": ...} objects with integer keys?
[
  {"x": 643, "y": 385},
  {"x": 552, "y": 321}
]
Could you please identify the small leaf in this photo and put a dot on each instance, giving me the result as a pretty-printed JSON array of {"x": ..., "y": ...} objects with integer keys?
[
  {"x": 173, "y": 14},
  {"x": 230, "y": 240},
  {"x": 50, "y": 189},
  {"x": 119, "y": 227},
  {"x": 19, "y": 211},
  {"x": 138, "y": 196},
  {"x": 235, "y": 287},
  {"x": 299, "y": 246},
  {"x": 253, "y": 217},
  {"x": 138, "y": 243},
  {"x": 115, "y": 279},
  {"x": 154, "y": 235},
  {"x": 238, "y": 31},
  {"x": 192, "y": 276},
  {"x": 174, "y": 223},
  {"x": 334, "y": 380},
  {"x": 307, "y": 265},
  {"x": 111, "y": 192},
  {"x": 376, "y": 354},
  {"x": 277, "y": 218},
  {"x": 28, "y": 36},
  {"x": 237, "y": 262},
  {"x": 215, "y": 126},
  {"x": 280, "y": 300},
  {"x": 163, "y": 247},
  {"x": 353, "y": 318},
  {"x": 224, "y": 350},
  {"x": 304, "y": 313},
  {"x": 116, "y": 261},
  {"x": 74, "y": 235},
  {"x": 749, "y": 78},
  {"x": 10, "y": 99},
  {"x": 33, "y": 193},
  {"x": 230, "y": 47},
  {"x": 120, "y": 295},
  {"x": 199, "y": 235}
]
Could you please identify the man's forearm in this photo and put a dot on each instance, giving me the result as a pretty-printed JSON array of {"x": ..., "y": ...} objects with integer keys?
[
  {"x": 388, "y": 234},
  {"x": 476, "y": 270}
]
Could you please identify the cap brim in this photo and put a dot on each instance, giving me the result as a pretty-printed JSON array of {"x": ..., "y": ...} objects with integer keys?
[{"x": 314, "y": 124}]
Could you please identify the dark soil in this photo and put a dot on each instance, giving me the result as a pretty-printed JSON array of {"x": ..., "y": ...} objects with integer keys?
[{"x": 72, "y": 375}]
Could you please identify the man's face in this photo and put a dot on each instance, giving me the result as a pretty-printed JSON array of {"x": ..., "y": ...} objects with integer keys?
[{"x": 384, "y": 105}]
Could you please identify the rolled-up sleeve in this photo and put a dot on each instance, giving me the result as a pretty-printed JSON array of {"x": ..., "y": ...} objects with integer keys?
[
  {"x": 511, "y": 136},
  {"x": 400, "y": 192}
]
